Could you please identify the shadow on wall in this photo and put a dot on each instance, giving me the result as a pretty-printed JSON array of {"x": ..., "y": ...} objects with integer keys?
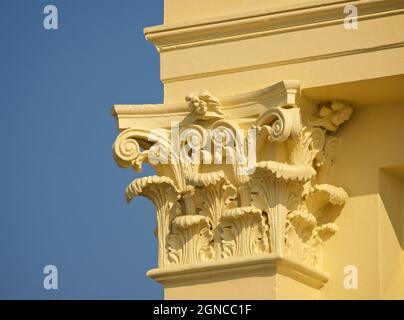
[
  {"x": 391, "y": 188},
  {"x": 368, "y": 142}
]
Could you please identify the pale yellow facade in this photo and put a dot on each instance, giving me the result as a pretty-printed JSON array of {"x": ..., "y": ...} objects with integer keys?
[{"x": 264, "y": 64}]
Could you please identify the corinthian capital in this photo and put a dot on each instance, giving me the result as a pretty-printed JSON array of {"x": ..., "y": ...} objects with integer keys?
[{"x": 240, "y": 179}]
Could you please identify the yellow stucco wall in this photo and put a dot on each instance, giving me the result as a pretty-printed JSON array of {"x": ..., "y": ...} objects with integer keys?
[
  {"x": 371, "y": 224},
  {"x": 235, "y": 46}
]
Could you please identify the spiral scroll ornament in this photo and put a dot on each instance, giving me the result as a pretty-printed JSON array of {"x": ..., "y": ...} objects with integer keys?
[
  {"x": 126, "y": 149},
  {"x": 278, "y": 124}
]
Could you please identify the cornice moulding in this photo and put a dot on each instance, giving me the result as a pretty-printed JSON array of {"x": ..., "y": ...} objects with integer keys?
[
  {"x": 241, "y": 26},
  {"x": 233, "y": 266}
]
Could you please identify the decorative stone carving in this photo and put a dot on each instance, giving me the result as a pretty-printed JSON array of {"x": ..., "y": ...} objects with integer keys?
[
  {"x": 213, "y": 195},
  {"x": 332, "y": 115},
  {"x": 244, "y": 232},
  {"x": 190, "y": 240},
  {"x": 204, "y": 105},
  {"x": 162, "y": 192},
  {"x": 212, "y": 204}
]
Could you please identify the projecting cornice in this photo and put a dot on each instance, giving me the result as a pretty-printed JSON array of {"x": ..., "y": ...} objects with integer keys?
[
  {"x": 241, "y": 108},
  {"x": 265, "y": 22},
  {"x": 241, "y": 180}
]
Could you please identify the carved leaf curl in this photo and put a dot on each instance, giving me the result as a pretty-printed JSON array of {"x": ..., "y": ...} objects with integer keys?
[{"x": 288, "y": 171}]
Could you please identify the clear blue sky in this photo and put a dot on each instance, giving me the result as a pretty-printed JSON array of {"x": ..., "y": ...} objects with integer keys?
[{"x": 62, "y": 195}]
